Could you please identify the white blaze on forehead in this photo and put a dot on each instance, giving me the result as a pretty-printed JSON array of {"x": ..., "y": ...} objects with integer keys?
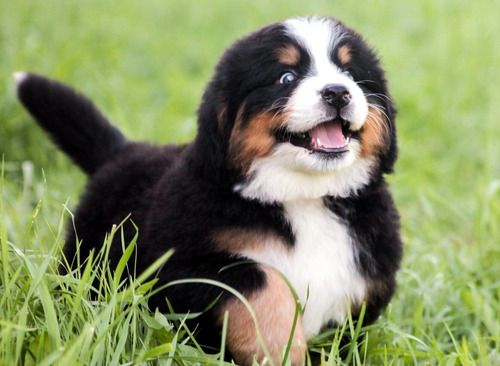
[{"x": 319, "y": 37}]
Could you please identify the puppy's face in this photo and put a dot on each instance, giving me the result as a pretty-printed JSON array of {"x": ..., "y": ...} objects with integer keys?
[{"x": 303, "y": 110}]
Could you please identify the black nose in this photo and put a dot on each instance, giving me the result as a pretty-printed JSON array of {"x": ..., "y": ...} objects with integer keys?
[{"x": 337, "y": 95}]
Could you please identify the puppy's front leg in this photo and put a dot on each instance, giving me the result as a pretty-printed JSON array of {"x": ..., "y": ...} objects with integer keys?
[{"x": 274, "y": 307}]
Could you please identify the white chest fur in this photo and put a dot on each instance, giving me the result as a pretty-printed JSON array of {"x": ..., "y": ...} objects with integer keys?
[{"x": 321, "y": 264}]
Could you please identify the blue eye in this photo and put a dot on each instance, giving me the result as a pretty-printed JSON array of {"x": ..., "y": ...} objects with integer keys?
[
  {"x": 348, "y": 74},
  {"x": 287, "y": 78}
]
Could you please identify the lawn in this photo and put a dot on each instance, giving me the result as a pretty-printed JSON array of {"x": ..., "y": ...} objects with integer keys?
[{"x": 145, "y": 64}]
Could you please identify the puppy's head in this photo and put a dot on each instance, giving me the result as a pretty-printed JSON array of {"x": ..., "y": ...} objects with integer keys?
[{"x": 300, "y": 109}]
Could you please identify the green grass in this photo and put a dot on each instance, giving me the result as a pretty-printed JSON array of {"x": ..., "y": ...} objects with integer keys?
[{"x": 145, "y": 64}]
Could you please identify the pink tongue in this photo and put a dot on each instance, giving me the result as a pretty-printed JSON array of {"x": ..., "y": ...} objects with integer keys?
[{"x": 328, "y": 135}]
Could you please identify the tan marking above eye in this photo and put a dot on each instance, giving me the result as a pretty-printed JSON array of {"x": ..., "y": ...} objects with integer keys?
[
  {"x": 274, "y": 307},
  {"x": 344, "y": 54},
  {"x": 288, "y": 55}
]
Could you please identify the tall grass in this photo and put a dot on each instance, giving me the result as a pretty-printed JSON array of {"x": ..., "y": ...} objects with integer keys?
[
  {"x": 145, "y": 65},
  {"x": 49, "y": 319}
]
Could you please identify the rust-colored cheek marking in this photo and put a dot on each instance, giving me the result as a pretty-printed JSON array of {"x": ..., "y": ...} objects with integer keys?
[
  {"x": 274, "y": 308},
  {"x": 374, "y": 134},
  {"x": 344, "y": 54},
  {"x": 288, "y": 55},
  {"x": 253, "y": 140}
]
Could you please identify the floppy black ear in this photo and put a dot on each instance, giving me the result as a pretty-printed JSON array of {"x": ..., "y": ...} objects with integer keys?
[
  {"x": 209, "y": 148},
  {"x": 218, "y": 109}
]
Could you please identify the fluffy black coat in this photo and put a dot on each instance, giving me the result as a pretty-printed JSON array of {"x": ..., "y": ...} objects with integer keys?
[{"x": 179, "y": 196}]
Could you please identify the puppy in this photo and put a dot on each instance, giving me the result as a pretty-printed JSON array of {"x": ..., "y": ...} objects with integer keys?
[{"x": 284, "y": 180}]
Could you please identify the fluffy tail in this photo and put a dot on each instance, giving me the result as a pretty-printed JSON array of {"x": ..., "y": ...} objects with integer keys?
[{"x": 71, "y": 119}]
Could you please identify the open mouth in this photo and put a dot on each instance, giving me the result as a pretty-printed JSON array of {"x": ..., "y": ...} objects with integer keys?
[{"x": 330, "y": 137}]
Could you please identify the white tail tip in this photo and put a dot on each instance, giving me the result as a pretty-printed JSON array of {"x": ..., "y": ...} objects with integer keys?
[{"x": 20, "y": 76}]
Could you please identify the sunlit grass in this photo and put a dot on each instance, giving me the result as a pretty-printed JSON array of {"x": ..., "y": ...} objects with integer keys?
[{"x": 145, "y": 64}]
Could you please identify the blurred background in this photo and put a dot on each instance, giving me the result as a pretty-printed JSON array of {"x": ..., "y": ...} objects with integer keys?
[{"x": 145, "y": 64}]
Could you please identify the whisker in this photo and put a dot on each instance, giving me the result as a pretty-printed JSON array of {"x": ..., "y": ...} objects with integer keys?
[
  {"x": 273, "y": 106},
  {"x": 374, "y": 121},
  {"x": 364, "y": 81},
  {"x": 277, "y": 108},
  {"x": 378, "y": 95},
  {"x": 379, "y": 109},
  {"x": 374, "y": 118},
  {"x": 279, "y": 111}
]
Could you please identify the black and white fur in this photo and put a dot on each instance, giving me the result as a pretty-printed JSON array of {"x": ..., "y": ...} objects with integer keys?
[{"x": 295, "y": 132}]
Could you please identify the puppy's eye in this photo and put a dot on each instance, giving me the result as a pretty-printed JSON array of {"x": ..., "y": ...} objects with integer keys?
[
  {"x": 348, "y": 74},
  {"x": 287, "y": 78}
]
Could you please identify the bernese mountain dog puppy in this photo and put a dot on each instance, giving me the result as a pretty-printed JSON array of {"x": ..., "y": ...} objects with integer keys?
[{"x": 283, "y": 186}]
